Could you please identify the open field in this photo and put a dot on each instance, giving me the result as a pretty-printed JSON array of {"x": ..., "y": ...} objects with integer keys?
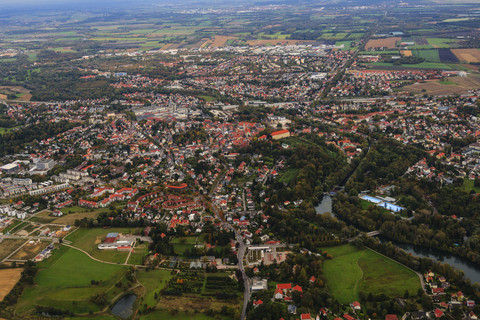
[
  {"x": 64, "y": 281},
  {"x": 153, "y": 281},
  {"x": 30, "y": 250},
  {"x": 390, "y": 43},
  {"x": 8, "y": 279},
  {"x": 460, "y": 85},
  {"x": 353, "y": 270},
  {"x": 70, "y": 218},
  {"x": 7, "y": 246},
  {"x": 467, "y": 55},
  {"x": 89, "y": 239}
]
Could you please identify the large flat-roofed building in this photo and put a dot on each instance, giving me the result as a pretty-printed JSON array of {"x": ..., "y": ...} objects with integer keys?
[
  {"x": 115, "y": 241},
  {"x": 10, "y": 168}
]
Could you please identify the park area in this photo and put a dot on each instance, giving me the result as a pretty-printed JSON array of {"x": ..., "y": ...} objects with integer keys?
[{"x": 353, "y": 270}]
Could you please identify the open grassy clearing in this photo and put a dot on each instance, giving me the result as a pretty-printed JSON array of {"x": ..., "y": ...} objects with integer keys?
[
  {"x": 153, "y": 281},
  {"x": 64, "y": 281},
  {"x": 70, "y": 218},
  {"x": 8, "y": 279},
  {"x": 468, "y": 185},
  {"x": 353, "y": 270},
  {"x": 89, "y": 239},
  {"x": 180, "y": 245},
  {"x": 289, "y": 175}
]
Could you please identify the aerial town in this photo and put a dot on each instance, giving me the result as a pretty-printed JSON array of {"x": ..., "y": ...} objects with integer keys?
[{"x": 241, "y": 175}]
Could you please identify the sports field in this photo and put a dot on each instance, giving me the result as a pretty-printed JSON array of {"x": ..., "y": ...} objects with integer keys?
[{"x": 353, "y": 270}]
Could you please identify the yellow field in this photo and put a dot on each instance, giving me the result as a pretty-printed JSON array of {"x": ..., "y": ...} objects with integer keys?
[
  {"x": 406, "y": 53},
  {"x": 467, "y": 55},
  {"x": 390, "y": 43},
  {"x": 8, "y": 279}
]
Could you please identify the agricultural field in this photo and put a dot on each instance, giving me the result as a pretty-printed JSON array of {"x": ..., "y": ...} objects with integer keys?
[
  {"x": 59, "y": 283},
  {"x": 467, "y": 55},
  {"x": 89, "y": 239},
  {"x": 442, "y": 42},
  {"x": 220, "y": 41},
  {"x": 390, "y": 43},
  {"x": 353, "y": 270},
  {"x": 8, "y": 279},
  {"x": 447, "y": 56},
  {"x": 430, "y": 55},
  {"x": 460, "y": 86}
]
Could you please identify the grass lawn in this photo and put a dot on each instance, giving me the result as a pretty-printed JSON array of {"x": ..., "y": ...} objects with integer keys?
[
  {"x": 184, "y": 243},
  {"x": 353, "y": 270},
  {"x": 139, "y": 252},
  {"x": 63, "y": 281},
  {"x": 207, "y": 98},
  {"x": 89, "y": 239},
  {"x": 468, "y": 185},
  {"x": 153, "y": 281}
]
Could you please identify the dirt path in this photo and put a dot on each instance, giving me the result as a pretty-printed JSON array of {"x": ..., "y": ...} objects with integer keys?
[{"x": 361, "y": 270}]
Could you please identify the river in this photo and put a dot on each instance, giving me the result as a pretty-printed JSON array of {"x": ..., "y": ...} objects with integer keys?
[
  {"x": 470, "y": 270},
  {"x": 124, "y": 307}
]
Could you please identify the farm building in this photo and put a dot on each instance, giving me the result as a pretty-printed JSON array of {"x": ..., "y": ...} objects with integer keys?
[{"x": 114, "y": 241}]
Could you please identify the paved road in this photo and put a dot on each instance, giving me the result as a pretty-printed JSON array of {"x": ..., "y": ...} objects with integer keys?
[{"x": 240, "y": 255}]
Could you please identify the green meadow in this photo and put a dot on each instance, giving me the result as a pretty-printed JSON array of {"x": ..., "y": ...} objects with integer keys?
[{"x": 353, "y": 270}]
